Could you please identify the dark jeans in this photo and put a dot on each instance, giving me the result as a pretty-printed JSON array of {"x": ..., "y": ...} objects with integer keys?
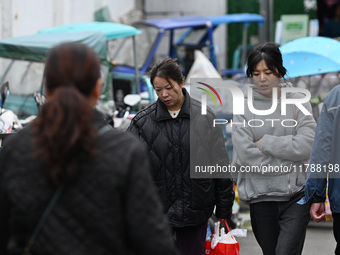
[
  {"x": 280, "y": 227},
  {"x": 191, "y": 240},
  {"x": 336, "y": 231}
]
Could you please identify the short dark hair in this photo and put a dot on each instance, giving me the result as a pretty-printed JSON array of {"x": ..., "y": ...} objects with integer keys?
[
  {"x": 167, "y": 69},
  {"x": 271, "y": 54}
]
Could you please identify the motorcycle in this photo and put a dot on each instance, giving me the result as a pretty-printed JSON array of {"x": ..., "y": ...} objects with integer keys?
[
  {"x": 119, "y": 116},
  {"x": 116, "y": 116},
  {"x": 123, "y": 116},
  {"x": 9, "y": 121}
]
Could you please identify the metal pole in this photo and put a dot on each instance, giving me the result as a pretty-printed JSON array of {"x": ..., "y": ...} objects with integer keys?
[
  {"x": 120, "y": 45},
  {"x": 211, "y": 46},
  {"x": 270, "y": 20},
  {"x": 171, "y": 44},
  {"x": 244, "y": 44},
  {"x": 136, "y": 64},
  {"x": 264, "y": 36},
  {"x": 136, "y": 69}
]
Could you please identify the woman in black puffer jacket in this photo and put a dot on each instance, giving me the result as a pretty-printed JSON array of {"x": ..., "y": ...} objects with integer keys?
[
  {"x": 109, "y": 203},
  {"x": 165, "y": 128}
]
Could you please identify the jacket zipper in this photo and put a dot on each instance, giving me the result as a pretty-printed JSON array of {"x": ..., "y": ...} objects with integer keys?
[{"x": 289, "y": 186}]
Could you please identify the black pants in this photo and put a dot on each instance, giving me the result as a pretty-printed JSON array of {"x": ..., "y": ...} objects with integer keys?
[
  {"x": 280, "y": 227},
  {"x": 191, "y": 240},
  {"x": 336, "y": 231}
]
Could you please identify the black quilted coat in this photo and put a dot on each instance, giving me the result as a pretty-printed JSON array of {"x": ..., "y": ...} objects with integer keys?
[
  {"x": 187, "y": 201},
  {"x": 110, "y": 208}
]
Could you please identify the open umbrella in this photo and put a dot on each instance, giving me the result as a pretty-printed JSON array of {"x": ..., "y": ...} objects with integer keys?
[{"x": 311, "y": 55}]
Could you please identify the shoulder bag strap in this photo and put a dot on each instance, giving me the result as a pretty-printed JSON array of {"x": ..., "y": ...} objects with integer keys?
[
  {"x": 51, "y": 204},
  {"x": 43, "y": 219},
  {"x": 104, "y": 129}
]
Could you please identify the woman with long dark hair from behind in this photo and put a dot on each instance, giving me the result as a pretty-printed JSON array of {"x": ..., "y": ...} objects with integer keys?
[{"x": 107, "y": 202}]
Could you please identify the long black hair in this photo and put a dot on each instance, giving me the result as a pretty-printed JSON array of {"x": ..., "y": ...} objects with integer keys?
[{"x": 62, "y": 131}]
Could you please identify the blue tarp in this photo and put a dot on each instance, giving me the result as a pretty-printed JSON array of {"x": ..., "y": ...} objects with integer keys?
[
  {"x": 111, "y": 30},
  {"x": 180, "y": 22},
  {"x": 34, "y": 47},
  {"x": 237, "y": 18}
]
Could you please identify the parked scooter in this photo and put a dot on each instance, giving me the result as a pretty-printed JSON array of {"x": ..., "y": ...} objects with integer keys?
[
  {"x": 116, "y": 116},
  {"x": 39, "y": 99},
  {"x": 119, "y": 116},
  {"x": 4, "y": 91},
  {"x": 9, "y": 121},
  {"x": 122, "y": 115}
]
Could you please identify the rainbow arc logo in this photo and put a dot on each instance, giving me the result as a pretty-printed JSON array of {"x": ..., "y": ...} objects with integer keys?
[
  {"x": 209, "y": 93},
  {"x": 239, "y": 99}
]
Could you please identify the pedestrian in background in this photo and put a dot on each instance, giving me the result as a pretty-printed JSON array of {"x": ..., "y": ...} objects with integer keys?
[
  {"x": 278, "y": 222},
  {"x": 332, "y": 27},
  {"x": 325, "y": 161},
  {"x": 107, "y": 203},
  {"x": 164, "y": 128}
]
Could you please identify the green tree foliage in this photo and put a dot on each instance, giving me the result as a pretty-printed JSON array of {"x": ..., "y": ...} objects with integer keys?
[{"x": 234, "y": 37}]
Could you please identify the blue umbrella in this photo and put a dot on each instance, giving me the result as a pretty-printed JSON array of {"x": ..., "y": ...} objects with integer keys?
[{"x": 311, "y": 55}]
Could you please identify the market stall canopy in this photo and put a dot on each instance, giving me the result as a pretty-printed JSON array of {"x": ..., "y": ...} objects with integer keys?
[
  {"x": 34, "y": 47},
  {"x": 244, "y": 18},
  {"x": 179, "y": 22},
  {"x": 311, "y": 55},
  {"x": 111, "y": 30}
]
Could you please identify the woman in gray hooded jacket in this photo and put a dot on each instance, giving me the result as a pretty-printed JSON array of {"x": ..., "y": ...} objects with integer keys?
[{"x": 271, "y": 140}]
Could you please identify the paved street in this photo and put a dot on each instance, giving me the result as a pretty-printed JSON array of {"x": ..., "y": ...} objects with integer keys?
[{"x": 319, "y": 240}]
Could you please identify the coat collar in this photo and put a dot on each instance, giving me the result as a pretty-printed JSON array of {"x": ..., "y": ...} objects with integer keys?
[{"x": 162, "y": 112}]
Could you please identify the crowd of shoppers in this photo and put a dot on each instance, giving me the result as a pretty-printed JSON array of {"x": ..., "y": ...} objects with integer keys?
[{"x": 69, "y": 184}]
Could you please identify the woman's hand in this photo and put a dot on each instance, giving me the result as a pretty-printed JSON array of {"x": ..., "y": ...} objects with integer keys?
[{"x": 318, "y": 212}]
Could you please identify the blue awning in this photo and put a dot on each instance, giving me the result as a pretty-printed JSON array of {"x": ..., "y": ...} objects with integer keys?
[
  {"x": 179, "y": 22},
  {"x": 111, "y": 30},
  {"x": 35, "y": 47},
  {"x": 237, "y": 18}
]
